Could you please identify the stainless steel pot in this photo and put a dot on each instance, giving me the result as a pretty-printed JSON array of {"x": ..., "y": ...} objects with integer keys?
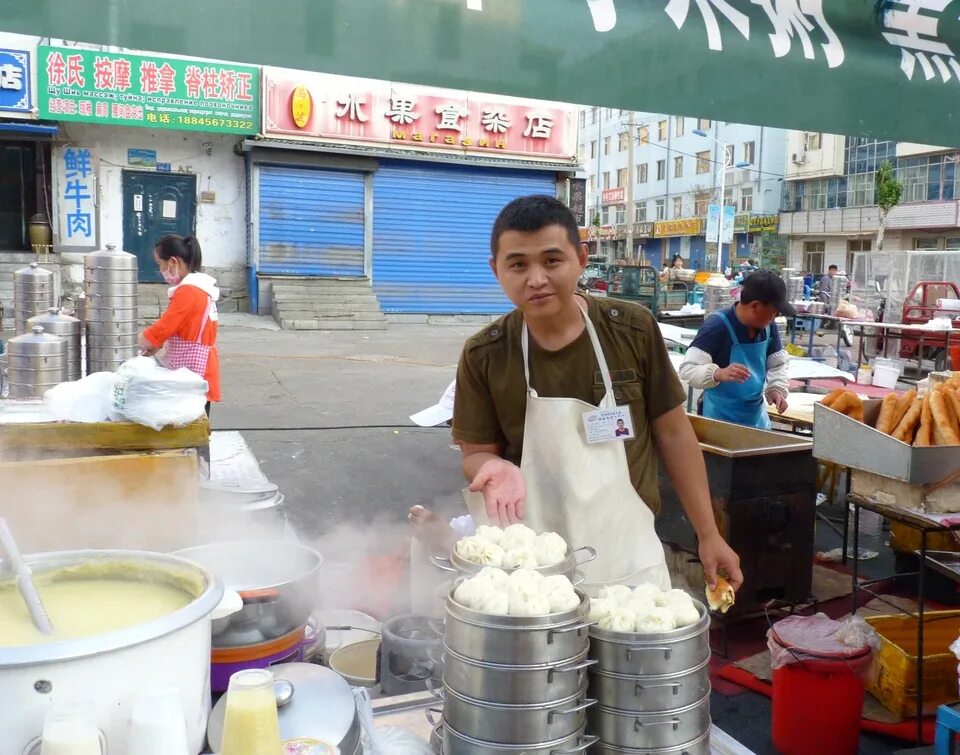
[
  {"x": 651, "y": 693},
  {"x": 515, "y": 724},
  {"x": 568, "y": 567},
  {"x": 277, "y": 580},
  {"x": 444, "y": 740},
  {"x": 649, "y": 731},
  {"x": 516, "y": 640},
  {"x": 312, "y": 702},
  {"x": 699, "y": 746},
  {"x": 634, "y": 654},
  {"x": 518, "y": 685}
]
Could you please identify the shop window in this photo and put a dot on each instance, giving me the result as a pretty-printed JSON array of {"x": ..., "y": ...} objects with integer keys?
[{"x": 24, "y": 182}]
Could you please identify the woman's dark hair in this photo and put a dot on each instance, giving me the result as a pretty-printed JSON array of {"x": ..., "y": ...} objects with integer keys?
[
  {"x": 186, "y": 248},
  {"x": 675, "y": 258}
]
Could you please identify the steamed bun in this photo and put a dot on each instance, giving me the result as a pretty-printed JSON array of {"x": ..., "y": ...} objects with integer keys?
[
  {"x": 657, "y": 620},
  {"x": 560, "y": 592},
  {"x": 619, "y": 620},
  {"x": 550, "y": 549},
  {"x": 518, "y": 536},
  {"x": 528, "y": 579},
  {"x": 493, "y": 601},
  {"x": 495, "y": 576},
  {"x": 600, "y": 608},
  {"x": 617, "y": 594},
  {"x": 525, "y": 604},
  {"x": 648, "y": 591},
  {"x": 519, "y": 558},
  {"x": 469, "y": 592},
  {"x": 685, "y": 614},
  {"x": 479, "y": 551},
  {"x": 639, "y": 604},
  {"x": 490, "y": 534}
]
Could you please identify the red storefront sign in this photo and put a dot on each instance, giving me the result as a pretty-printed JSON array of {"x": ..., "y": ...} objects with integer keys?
[
  {"x": 403, "y": 116},
  {"x": 616, "y": 195}
]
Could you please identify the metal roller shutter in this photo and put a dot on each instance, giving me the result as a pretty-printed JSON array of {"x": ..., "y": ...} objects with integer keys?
[
  {"x": 431, "y": 235},
  {"x": 311, "y": 222}
]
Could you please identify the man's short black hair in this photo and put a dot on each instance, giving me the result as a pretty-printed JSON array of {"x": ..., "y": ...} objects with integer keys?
[
  {"x": 832, "y": 267},
  {"x": 531, "y": 213}
]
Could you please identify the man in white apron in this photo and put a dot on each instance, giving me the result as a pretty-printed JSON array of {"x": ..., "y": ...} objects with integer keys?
[{"x": 539, "y": 396}]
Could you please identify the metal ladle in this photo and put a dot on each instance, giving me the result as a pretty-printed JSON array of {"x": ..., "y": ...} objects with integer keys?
[{"x": 24, "y": 580}]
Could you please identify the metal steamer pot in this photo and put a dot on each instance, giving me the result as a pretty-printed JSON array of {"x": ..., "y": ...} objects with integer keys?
[
  {"x": 449, "y": 742},
  {"x": 516, "y": 724},
  {"x": 699, "y": 746},
  {"x": 648, "y": 732},
  {"x": 516, "y": 640},
  {"x": 650, "y": 693},
  {"x": 277, "y": 581},
  {"x": 172, "y": 651},
  {"x": 633, "y": 654},
  {"x": 568, "y": 567},
  {"x": 522, "y": 685}
]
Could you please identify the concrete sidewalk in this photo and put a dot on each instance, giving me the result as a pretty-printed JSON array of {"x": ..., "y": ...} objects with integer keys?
[{"x": 359, "y": 456}]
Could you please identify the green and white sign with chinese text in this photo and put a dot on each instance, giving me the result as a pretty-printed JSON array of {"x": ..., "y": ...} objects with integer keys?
[{"x": 120, "y": 89}]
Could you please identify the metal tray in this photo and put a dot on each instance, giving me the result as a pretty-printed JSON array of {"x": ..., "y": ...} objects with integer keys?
[
  {"x": 857, "y": 445},
  {"x": 737, "y": 441}
]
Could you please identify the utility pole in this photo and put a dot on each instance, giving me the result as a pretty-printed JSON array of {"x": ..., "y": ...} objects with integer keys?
[
  {"x": 597, "y": 182},
  {"x": 630, "y": 212}
]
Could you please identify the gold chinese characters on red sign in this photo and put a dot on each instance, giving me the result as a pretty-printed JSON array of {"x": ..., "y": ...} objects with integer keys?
[{"x": 345, "y": 109}]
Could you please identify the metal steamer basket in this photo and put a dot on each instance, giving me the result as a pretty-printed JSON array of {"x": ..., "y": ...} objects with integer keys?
[
  {"x": 514, "y": 683},
  {"x": 110, "y": 308},
  {"x": 33, "y": 294},
  {"x": 36, "y": 362},
  {"x": 69, "y": 329},
  {"x": 568, "y": 567},
  {"x": 652, "y": 690}
]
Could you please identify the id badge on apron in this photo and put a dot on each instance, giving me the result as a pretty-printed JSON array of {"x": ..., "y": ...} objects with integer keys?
[{"x": 605, "y": 425}]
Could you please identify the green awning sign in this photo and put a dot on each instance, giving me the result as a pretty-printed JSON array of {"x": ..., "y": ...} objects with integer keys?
[
  {"x": 134, "y": 90},
  {"x": 822, "y": 65}
]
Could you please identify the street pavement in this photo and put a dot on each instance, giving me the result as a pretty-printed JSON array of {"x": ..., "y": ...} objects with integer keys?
[{"x": 327, "y": 415}]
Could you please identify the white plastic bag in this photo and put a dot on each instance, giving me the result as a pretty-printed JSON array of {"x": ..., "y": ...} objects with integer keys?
[
  {"x": 89, "y": 399},
  {"x": 151, "y": 395},
  {"x": 386, "y": 740}
]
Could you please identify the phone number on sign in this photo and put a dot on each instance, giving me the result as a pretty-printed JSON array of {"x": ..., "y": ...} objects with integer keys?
[{"x": 195, "y": 120}]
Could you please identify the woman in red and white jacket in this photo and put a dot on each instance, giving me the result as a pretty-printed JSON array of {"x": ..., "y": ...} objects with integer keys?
[{"x": 188, "y": 327}]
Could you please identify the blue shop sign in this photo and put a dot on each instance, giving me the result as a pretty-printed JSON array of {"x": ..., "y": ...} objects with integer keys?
[{"x": 15, "y": 94}]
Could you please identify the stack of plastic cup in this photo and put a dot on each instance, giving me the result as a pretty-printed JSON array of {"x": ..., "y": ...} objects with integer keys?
[
  {"x": 70, "y": 730},
  {"x": 157, "y": 725},
  {"x": 251, "y": 725}
]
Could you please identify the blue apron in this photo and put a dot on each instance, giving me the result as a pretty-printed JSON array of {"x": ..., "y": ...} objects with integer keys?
[{"x": 742, "y": 403}]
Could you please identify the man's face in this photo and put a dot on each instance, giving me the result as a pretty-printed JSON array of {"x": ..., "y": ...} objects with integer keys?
[
  {"x": 758, "y": 315},
  {"x": 620, "y": 424},
  {"x": 538, "y": 271}
]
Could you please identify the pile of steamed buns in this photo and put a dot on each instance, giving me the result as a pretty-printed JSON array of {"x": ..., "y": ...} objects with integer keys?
[{"x": 516, "y": 547}]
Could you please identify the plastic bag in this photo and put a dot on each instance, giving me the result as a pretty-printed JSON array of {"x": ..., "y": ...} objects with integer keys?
[
  {"x": 818, "y": 637},
  {"x": 89, "y": 399},
  {"x": 151, "y": 395},
  {"x": 387, "y": 740}
]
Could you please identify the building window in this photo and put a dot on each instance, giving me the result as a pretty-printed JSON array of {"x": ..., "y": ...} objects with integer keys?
[
  {"x": 661, "y": 169},
  {"x": 704, "y": 123},
  {"x": 813, "y": 140},
  {"x": 861, "y": 189},
  {"x": 593, "y": 150},
  {"x": 678, "y": 207},
  {"x": 926, "y": 244},
  {"x": 661, "y": 209},
  {"x": 929, "y": 178},
  {"x": 746, "y": 199},
  {"x": 703, "y": 161},
  {"x": 748, "y": 152},
  {"x": 951, "y": 243},
  {"x": 605, "y": 216},
  {"x": 678, "y": 126},
  {"x": 662, "y": 130},
  {"x": 728, "y": 197},
  {"x": 728, "y": 152},
  {"x": 593, "y": 183},
  {"x": 606, "y": 179},
  {"x": 815, "y": 197},
  {"x": 813, "y": 257},
  {"x": 640, "y": 213},
  {"x": 583, "y": 118},
  {"x": 621, "y": 214},
  {"x": 678, "y": 167},
  {"x": 606, "y": 145},
  {"x": 607, "y": 113},
  {"x": 856, "y": 246},
  {"x": 621, "y": 177},
  {"x": 24, "y": 182},
  {"x": 624, "y": 140},
  {"x": 643, "y": 134},
  {"x": 700, "y": 201},
  {"x": 642, "y": 173}
]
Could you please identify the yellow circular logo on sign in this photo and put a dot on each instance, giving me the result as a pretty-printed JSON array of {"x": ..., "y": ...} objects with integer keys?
[{"x": 301, "y": 106}]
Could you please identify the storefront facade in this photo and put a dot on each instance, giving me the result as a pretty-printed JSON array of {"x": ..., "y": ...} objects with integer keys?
[
  {"x": 399, "y": 186},
  {"x": 146, "y": 148}
]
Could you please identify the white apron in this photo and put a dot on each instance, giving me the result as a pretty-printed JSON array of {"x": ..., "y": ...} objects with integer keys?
[{"x": 583, "y": 491}]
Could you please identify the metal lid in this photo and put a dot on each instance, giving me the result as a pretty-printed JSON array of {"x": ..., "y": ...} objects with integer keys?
[
  {"x": 37, "y": 342},
  {"x": 313, "y": 701},
  {"x": 54, "y": 321},
  {"x": 110, "y": 258},
  {"x": 32, "y": 270}
]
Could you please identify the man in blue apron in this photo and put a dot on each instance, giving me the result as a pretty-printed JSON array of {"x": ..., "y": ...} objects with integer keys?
[
  {"x": 737, "y": 358},
  {"x": 540, "y": 397}
]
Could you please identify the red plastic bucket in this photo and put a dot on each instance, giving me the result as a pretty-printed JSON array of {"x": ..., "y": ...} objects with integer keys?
[
  {"x": 818, "y": 702},
  {"x": 955, "y": 357}
]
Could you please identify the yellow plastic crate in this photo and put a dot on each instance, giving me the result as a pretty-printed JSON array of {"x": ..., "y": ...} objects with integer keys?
[{"x": 894, "y": 675}]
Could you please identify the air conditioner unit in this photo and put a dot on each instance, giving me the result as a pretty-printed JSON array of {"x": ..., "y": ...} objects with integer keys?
[{"x": 798, "y": 158}]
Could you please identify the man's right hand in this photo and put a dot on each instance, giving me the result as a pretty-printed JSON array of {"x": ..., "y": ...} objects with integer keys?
[
  {"x": 734, "y": 373},
  {"x": 504, "y": 491}
]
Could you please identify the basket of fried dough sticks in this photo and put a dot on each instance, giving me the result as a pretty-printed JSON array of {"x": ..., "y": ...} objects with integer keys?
[{"x": 930, "y": 420}]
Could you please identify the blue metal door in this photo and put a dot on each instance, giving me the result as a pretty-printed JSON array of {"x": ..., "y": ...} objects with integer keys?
[
  {"x": 311, "y": 222},
  {"x": 155, "y": 205},
  {"x": 698, "y": 252},
  {"x": 431, "y": 235}
]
